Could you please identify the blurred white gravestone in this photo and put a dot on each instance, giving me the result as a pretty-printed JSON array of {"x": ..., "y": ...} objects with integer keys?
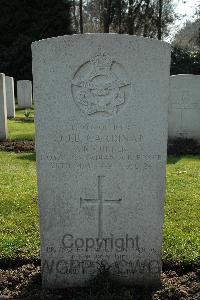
[
  {"x": 3, "y": 109},
  {"x": 24, "y": 93},
  {"x": 10, "y": 97},
  {"x": 101, "y": 124},
  {"x": 184, "y": 114}
]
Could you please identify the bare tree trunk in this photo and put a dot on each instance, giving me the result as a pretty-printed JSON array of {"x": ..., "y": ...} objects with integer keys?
[
  {"x": 130, "y": 17},
  {"x": 160, "y": 11},
  {"x": 81, "y": 15},
  {"x": 146, "y": 19},
  {"x": 107, "y": 12},
  {"x": 75, "y": 22},
  {"x": 101, "y": 13},
  {"x": 119, "y": 16}
]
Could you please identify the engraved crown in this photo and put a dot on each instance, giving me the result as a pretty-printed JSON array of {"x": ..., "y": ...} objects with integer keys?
[{"x": 102, "y": 61}]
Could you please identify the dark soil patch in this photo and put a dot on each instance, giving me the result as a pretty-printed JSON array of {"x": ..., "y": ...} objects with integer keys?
[
  {"x": 24, "y": 282},
  {"x": 175, "y": 147},
  {"x": 17, "y": 146},
  {"x": 183, "y": 147}
]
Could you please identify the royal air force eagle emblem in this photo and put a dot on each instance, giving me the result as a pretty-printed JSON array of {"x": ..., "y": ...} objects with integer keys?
[{"x": 100, "y": 87}]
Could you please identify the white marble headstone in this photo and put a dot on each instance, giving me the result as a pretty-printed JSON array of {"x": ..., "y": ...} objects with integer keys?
[
  {"x": 24, "y": 93},
  {"x": 184, "y": 112},
  {"x": 101, "y": 126},
  {"x": 3, "y": 109},
  {"x": 10, "y": 97}
]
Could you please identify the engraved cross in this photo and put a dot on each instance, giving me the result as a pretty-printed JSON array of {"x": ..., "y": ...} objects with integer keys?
[
  {"x": 185, "y": 104},
  {"x": 100, "y": 202}
]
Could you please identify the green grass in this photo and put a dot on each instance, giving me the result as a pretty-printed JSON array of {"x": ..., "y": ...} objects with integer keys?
[
  {"x": 19, "y": 113},
  {"x": 19, "y": 216},
  {"x": 20, "y": 128},
  {"x": 18, "y": 205},
  {"x": 182, "y": 210}
]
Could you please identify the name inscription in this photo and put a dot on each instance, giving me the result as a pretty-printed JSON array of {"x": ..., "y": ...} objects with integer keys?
[{"x": 94, "y": 148}]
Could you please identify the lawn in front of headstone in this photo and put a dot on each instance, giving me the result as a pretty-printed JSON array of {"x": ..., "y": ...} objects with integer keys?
[
  {"x": 18, "y": 206},
  {"x": 19, "y": 213},
  {"x": 22, "y": 126},
  {"x": 182, "y": 210}
]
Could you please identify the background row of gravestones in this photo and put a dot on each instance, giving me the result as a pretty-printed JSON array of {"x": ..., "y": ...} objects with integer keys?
[
  {"x": 184, "y": 107},
  {"x": 7, "y": 100},
  {"x": 24, "y": 95}
]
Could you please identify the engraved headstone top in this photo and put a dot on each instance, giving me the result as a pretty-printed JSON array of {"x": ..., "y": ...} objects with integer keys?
[
  {"x": 101, "y": 154},
  {"x": 24, "y": 93},
  {"x": 3, "y": 109},
  {"x": 184, "y": 110}
]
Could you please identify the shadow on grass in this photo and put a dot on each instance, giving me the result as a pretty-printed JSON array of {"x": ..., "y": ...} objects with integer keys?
[
  {"x": 183, "y": 146},
  {"x": 23, "y": 120},
  {"x": 172, "y": 160},
  {"x": 30, "y": 156},
  {"x": 23, "y": 138},
  {"x": 23, "y": 109}
]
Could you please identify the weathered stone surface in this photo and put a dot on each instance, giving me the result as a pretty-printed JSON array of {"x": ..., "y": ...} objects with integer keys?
[
  {"x": 24, "y": 93},
  {"x": 184, "y": 112},
  {"x": 101, "y": 124},
  {"x": 3, "y": 110},
  {"x": 10, "y": 97}
]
